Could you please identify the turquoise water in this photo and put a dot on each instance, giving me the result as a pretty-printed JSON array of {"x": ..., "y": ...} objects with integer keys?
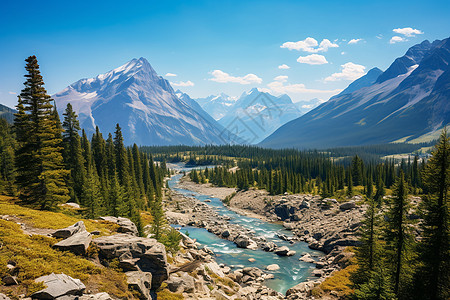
[{"x": 291, "y": 272}]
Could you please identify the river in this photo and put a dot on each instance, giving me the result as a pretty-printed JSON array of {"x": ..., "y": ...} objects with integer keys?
[{"x": 291, "y": 272}]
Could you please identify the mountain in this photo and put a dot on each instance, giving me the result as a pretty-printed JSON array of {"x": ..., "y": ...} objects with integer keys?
[
  {"x": 257, "y": 114},
  {"x": 7, "y": 113},
  {"x": 364, "y": 81},
  {"x": 305, "y": 106},
  {"x": 410, "y": 102},
  {"x": 217, "y": 105},
  {"x": 143, "y": 103}
]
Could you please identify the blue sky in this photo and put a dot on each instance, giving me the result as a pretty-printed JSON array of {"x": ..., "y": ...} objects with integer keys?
[{"x": 215, "y": 46}]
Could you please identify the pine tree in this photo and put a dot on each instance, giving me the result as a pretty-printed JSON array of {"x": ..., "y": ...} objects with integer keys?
[
  {"x": 73, "y": 154},
  {"x": 433, "y": 276},
  {"x": 43, "y": 183},
  {"x": 368, "y": 253},
  {"x": 399, "y": 237},
  {"x": 7, "y": 167}
]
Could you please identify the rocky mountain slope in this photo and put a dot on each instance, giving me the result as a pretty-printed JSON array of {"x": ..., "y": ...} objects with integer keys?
[
  {"x": 407, "y": 102},
  {"x": 143, "y": 103},
  {"x": 7, "y": 113}
]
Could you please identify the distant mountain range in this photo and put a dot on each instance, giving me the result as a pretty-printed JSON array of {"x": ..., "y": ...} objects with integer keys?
[
  {"x": 255, "y": 115},
  {"x": 408, "y": 102},
  {"x": 7, "y": 113},
  {"x": 145, "y": 106}
]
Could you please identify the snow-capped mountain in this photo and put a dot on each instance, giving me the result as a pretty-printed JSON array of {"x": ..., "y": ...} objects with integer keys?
[
  {"x": 410, "y": 102},
  {"x": 257, "y": 114},
  {"x": 143, "y": 103},
  {"x": 217, "y": 105}
]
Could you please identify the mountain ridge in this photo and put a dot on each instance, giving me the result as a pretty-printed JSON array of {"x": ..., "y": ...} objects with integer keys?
[
  {"x": 143, "y": 103},
  {"x": 394, "y": 107}
]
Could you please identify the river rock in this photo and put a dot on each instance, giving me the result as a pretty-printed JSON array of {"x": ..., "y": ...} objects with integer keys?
[
  {"x": 273, "y": 267},
  {"x": 225, "y": 233},
  {"x": 269, "y": 246},
  {"x": 347, "y": 205},
  {"x": 282, "y": 251},
  {"x": 58, "y": 285},
  {"x": 243, "y": 241},
  {"x": 307, "y": 258},
  {"x": 140, "y": 282},
  {"x": 253, "y": 272},
  {"x": 302, "y": 288},
  {"x": 77, "y": 243},
  {"x": 125, "y": 225},
  {"x": 142, "y": 254},
  {"x": 64, "y": 233}
]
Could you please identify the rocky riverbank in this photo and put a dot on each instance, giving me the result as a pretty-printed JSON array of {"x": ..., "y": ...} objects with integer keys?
[{"x": 324, "y": 224}]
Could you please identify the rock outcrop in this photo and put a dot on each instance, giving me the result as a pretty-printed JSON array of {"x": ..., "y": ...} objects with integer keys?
[
  {"x": 125, "y": 225},
  {"x": 76, "y": 243},
  {"x": 69, "y": 231},
  {"x": 135, "y": 254},
  {"x": 58, "y": 286}
]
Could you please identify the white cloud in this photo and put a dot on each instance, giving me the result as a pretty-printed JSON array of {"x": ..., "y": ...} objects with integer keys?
[
  {"x": 407, "y": 31},
  {"x": 183, "y": 83},
  {"x": 281, "y": 78},
  {"x": 310, "y": 45},
  {"x": 313, "y": 59},
  {"x": 380, "y": 36},
  {"x": 171, "y": 75},
  {"x": 222, "y": 77},
  {"x": 307, "y": 106},
  {"x": 354, "y": 41},
  {"x": 397, "y": 39},
  {"x": 12, "y": 93},
  {"x": 343, "y": 53},
  {"x": 283, "y": 67},
  {"x": 297, "y": 88},
  {"x": 350, "y": 71}
]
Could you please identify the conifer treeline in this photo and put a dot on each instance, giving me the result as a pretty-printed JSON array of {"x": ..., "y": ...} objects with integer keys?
[
  {"x": 400, "y": 257},
  {"x": 308, "y": 172},
  {"x": 48, "y": 163}
]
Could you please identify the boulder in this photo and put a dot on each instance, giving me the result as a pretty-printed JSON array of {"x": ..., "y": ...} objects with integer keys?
[
  {"x": 64, "y": 233},
  {"x": 273, "y": 267},
  {"x": 243, "y": 241},
  {"x": 10, "y": 280},
  {"x": 225, "y": 233},
  {"x": 98, "y": 296},
  {"x": 347, "y": 205},
  {"x": 269, "y": 246},
  {"x": 125, "y": 225},
  {"x": 291, "y": 253},
  {"x": 253, "y": 272},
  {"x": 317, "y": 273},
  {"x": 301, "y": 288},
  {"x": 4, "y": 297},
  {"x": 282, "y": 251},
  {"x": 305, "y": 204},
  {"x": 181, "y": 283},
  {"x": 77, "y": 243},
  {"x": 307, "y": 258},
  {"x": 140, "y": 282},
  {"x": 144, "y": 254},
  {"x": 59, "y": 285},
  {"x": 72, "y": 205},
  {"x": 214, "y": 268}
]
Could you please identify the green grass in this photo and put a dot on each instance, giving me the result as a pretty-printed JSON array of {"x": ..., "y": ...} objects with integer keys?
[
  {"x": 52, "y": 220},
  {"x": 36, "y": 257}
]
